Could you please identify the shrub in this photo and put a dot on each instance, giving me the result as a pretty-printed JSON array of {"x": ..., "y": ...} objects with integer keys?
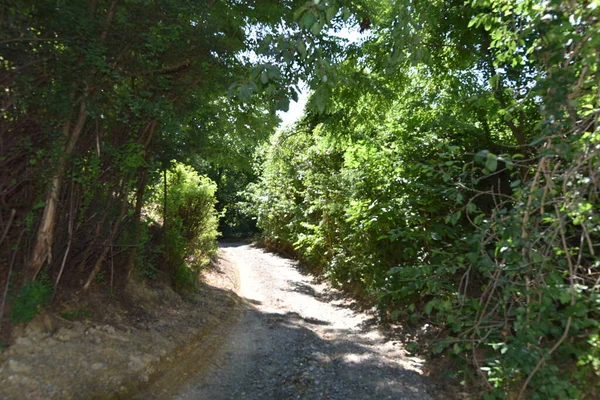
[
  {"x": 32, "y": 296},
  {"x": 75, "y": 314},
  {"x": 190, "y": 225}
]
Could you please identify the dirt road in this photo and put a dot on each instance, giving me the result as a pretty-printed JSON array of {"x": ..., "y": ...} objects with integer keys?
[{"x": 297, "y": 339}]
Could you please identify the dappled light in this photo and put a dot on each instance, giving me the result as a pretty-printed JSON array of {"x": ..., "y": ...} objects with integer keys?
[{"x": 290, "y": 346}]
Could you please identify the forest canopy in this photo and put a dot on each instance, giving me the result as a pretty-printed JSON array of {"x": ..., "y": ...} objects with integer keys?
[{"x": 445, "y": 168}]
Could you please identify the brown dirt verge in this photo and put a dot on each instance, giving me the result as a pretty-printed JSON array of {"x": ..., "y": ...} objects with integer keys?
[{"x": 121, "y": 351}]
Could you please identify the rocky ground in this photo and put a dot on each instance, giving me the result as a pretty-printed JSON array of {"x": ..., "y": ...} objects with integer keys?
[
  {"x": 124, "y": 350},
  {"x": 301, "y": 339},
  {"x": 259, "y": 328}
]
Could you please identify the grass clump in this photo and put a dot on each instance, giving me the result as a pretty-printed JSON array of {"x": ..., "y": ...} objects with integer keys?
[{"x": 32, "y": 297}]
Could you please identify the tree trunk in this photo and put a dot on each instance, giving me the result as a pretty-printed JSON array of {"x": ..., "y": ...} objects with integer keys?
[
  {"x": 108, "y": 245},
  {"x": 146, "y": 139},
  {"x": 165, "y": 218},
  {"x": 42, "y": 251}
]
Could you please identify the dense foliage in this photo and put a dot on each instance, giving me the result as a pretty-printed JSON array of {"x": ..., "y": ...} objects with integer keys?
[
  {"x": 455, "y": 181},
  {"x": 447, "y": 165},
  {"x": 180, "y": 227},
  {"x": 97, "y": 98}
]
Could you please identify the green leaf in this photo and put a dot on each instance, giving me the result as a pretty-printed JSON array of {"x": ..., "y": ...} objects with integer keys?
[
  {"x": 307, "y": 20},
  {"x": 492, "y": 162},
  {"x": 346, "y": 13},
  {"x": 481, "y": 155},
  {"x": 294, "y": 95},
  {"x": 472, "y": 22},
  {"x": 330, "y": 12},
  {"x": 244, "y": 92},
  {"x": 315, "y": 29},
  {"x": 288, "y": 57},
  {"x": 320, "y": 100},
  {"x": 477, "y": 220},
  {"x": 494, "y": 80},
  {"x": 455, "y": 217},
  {"x": 283, "y": 104},
  {"x": 457, "y": 348},
  {"x": 471, "y": 207},
  {"x": 301, "y": 47},
  {"x": 38, "y": 205},
  {"x": 264, "y": 77},
  {"x": 429, "y": 307}
]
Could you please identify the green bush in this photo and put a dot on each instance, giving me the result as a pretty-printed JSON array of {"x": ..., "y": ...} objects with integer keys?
[
  {"x": 192, "y": 218},
  {"x": 191, "y": 223},
  {"x": 428, "y": 204},
  {"x": 151, "y": 249},
  {"x": 185, "y": 278},
  {"x": 30, "y": 299}
]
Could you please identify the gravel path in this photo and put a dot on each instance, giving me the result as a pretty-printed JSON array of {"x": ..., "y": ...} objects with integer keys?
[{"x": 298, "y": 339}]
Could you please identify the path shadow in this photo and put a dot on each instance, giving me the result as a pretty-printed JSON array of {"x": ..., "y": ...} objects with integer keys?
[
  {"x": 301, "y": 287},
  {"x": 289, "y": 360},
  {"x": 225, "y": 243}
]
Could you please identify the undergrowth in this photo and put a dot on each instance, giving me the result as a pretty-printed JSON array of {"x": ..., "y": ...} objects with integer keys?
[
  {"x": 462, "y": 198},
  {"x": 30, "y": 300}
]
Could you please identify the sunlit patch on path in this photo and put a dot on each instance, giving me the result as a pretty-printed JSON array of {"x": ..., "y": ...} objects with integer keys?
[{"x": 295, "y": 341}]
